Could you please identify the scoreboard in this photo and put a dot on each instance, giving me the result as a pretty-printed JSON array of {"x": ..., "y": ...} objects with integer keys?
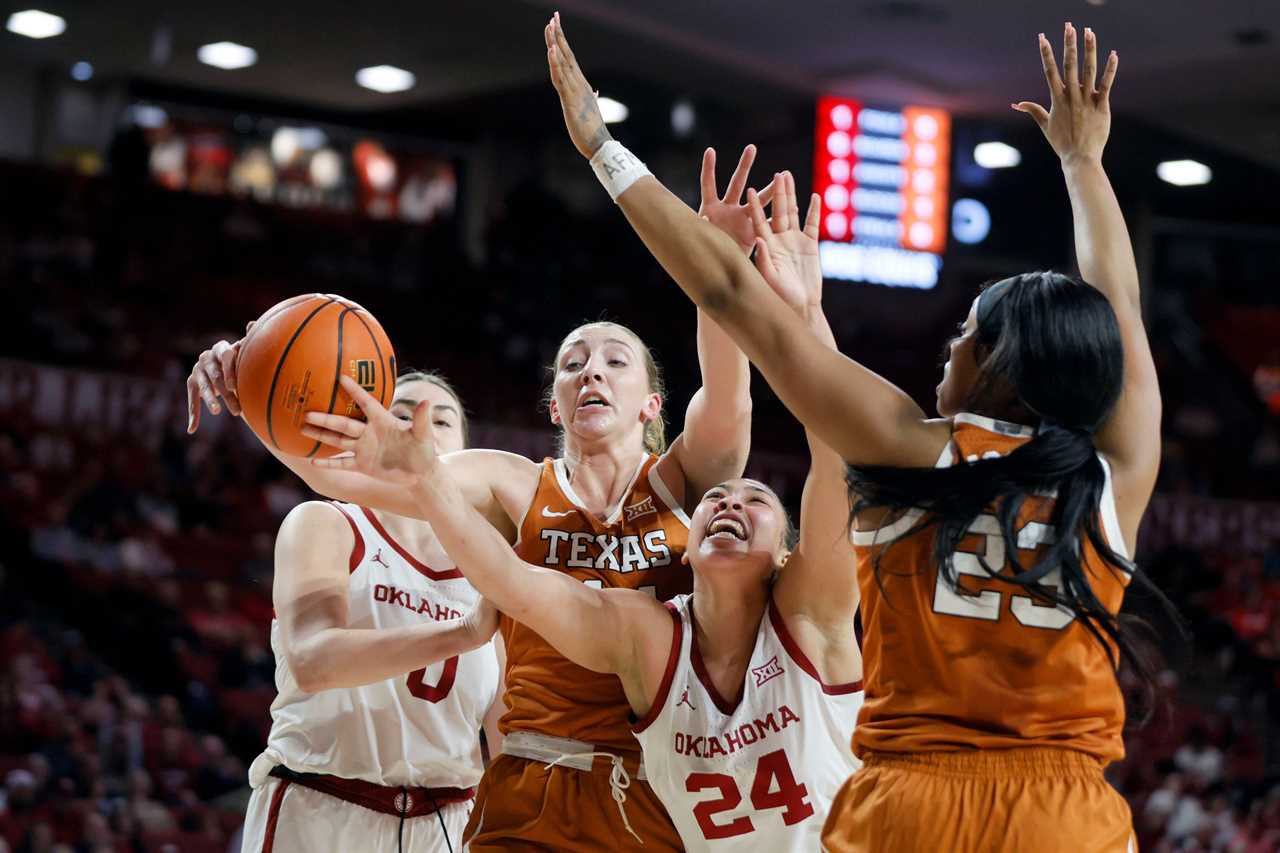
[{"x": 883, "y": 177}]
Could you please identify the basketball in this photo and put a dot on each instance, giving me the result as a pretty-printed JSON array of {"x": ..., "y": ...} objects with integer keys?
[{"x": 291, "y": 361}]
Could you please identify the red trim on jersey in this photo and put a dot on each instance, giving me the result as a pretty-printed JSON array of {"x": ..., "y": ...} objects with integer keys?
[
  {"x": 664, "y": 687},
  {"x": 424, "y": 569},
  {"x": 357, "y": 550},
  {"x": 700, "y": 669},
  {"x": 801, "y": 660},
  {"x": 273, "y": 815}
]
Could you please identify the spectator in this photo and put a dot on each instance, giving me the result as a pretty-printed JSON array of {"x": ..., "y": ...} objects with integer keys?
[
  {"x": 151, "y": 815},
  {"x": 1201, "y": 760}
]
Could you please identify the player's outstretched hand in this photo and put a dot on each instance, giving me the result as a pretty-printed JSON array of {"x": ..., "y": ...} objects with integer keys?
[
  {"x": 382, "y": 446},
  {"x": 577, "y": 99},
  {"x": 214, "y": 377},
  {"x": 727, "y": 212},
  {"x": 786, "y": 248},
  {"x": 1078, "y": 120}
]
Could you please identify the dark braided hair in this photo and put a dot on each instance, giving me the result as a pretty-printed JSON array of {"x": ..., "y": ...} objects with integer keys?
[{"x": 1050, "y": 343}]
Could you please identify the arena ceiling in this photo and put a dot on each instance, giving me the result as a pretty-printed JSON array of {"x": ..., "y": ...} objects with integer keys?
[{"x": 1205, "y": 68}]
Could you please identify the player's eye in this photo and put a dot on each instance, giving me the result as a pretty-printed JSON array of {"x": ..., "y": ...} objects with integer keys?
[
  {"x": 572, "y": 365},
  {"x": 442, "y": 423},
  {"x": 617, "y": 362}
]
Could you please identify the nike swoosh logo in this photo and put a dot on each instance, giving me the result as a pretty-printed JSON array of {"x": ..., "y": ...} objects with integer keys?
[{"x": 547, "y": 513}]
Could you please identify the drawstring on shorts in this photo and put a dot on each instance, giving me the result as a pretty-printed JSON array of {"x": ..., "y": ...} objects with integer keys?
[{"x": 619, "y": 781}]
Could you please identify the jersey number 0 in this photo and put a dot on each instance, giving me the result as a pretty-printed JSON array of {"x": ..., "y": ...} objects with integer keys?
[{"x": 434, "y": 692}]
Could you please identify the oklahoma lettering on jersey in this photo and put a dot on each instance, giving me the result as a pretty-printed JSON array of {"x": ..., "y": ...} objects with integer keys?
[
  {"x": 760, "y": 775},
  {"x": 995, "y": 668},
  {"x": 420, "y": 729},
  {"x": 638, "y": 547}
]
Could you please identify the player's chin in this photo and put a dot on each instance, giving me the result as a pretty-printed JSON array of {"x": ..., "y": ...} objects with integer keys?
[{"x": 946, "y": 408}]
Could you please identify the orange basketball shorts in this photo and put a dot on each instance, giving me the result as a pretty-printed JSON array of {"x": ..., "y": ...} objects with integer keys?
[
  {"x": 992, "y": 801},
  {"x": 524, "y": 805}
]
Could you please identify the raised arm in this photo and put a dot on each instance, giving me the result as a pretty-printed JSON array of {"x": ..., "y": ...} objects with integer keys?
[
  {"x": 310, "y": 598},
  {"x": 716, "y": 439},
  {"x": 864, "y": 417},
  {"x": 1077, "y": 126},
  {"x": 817, "y": 591}
]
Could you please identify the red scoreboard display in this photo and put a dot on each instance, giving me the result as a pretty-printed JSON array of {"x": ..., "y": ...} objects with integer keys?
[{"x": 883, "y": 177}]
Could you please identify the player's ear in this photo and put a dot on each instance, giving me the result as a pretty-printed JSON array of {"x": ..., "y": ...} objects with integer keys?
[
  {"x": 652, "y": 408},
  {"x": 555, "y": 412}
]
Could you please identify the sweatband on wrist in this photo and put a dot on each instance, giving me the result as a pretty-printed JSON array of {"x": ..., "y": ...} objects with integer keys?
[{"x": 617, "y": 168}]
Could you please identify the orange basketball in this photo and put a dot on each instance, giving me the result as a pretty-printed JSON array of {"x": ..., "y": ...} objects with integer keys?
[{"x": 289, "y": 364}]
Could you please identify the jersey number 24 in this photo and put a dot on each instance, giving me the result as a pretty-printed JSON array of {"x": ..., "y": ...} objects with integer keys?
[{"x": 790, "y": 796}]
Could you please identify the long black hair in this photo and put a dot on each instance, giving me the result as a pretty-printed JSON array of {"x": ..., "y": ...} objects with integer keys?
[{"x": 1050, "y": 344}]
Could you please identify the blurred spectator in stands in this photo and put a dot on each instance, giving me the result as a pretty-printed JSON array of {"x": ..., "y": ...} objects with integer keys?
[
  {"x": 150, "y": 814},
  {"x": 1199, "y": 759},
  {"x": 215, "y": 620}
]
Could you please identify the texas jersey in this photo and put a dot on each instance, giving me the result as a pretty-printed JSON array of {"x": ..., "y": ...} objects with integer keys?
[
  {"x": 638, "y": 547},
  {"x": 989, "y": 667},
  {"x": 420, "y": 729},
  {"x": 757, "y": 775}
]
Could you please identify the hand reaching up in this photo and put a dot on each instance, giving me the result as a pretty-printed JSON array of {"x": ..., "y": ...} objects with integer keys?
[
  {"x": 383, "y": 446},
  {"x": 786, "y": 249},
  {"x": 577, "y": 99},
  {"x": 1078, "y": 120},
  {"x": 728, "y": 213}
]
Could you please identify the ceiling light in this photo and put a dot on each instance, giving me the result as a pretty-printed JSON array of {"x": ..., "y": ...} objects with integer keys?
[
  {"x": 35, "y": 24},
  {"x": 996, "y": 155},
  {"x": 612, "y": 111},
  {"x": 1184, "y": 173},
  {"x": 385, "y": 78},
  {"x": 82, "y": 71},
  {"x": 227, "y": 55},
  {"x": 683, "y": 118},
  {"x": 148, "y": 115},
  {"x": 970, "y": 221}
]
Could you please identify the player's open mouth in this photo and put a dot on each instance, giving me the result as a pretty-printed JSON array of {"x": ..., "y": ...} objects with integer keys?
[
  {"x": 592, "y": 401},
  {"x": 726, "y": 527}
]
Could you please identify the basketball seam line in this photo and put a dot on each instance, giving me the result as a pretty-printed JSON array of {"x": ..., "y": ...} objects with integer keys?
[{"x": 275, "y": 376}]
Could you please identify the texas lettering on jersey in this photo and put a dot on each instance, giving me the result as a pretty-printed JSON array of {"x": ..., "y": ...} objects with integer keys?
[{"x": 631, "y": 552}]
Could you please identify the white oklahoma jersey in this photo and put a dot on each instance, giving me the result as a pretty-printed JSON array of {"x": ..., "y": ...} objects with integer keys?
[
  {"x": 758, "y": 776},
  {"x": 420, "y": 729}
]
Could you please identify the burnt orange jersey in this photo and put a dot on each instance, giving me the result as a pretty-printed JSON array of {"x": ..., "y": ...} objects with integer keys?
[
  {"x": 638, "y": 547},
  {"x": 994, "y": 669}
]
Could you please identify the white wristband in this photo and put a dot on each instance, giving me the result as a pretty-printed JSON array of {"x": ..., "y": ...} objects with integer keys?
[{"x": 617, "y": 168}]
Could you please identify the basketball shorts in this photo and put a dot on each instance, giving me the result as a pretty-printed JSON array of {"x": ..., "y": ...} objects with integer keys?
[
  {"x": 993, "y": 801},
  {"x": 522, "y": 804},
  {"x": 285, "y": 817}
]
